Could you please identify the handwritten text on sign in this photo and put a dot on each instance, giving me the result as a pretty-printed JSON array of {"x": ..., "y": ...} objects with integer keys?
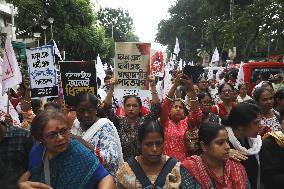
[
  {"x": 77, "y": 77},
  {"x": 131, "y": 66},
  {"x": 42, "y": 72}
]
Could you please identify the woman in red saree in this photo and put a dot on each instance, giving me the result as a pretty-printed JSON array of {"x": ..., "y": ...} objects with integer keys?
[{"x": 213, "y": 169}]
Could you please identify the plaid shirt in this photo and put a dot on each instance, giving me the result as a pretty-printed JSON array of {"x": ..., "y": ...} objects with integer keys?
[{"x": 14, "y": 151}]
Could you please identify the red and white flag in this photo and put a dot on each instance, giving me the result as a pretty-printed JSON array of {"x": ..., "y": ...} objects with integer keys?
[{"x": 11, "y": 74}]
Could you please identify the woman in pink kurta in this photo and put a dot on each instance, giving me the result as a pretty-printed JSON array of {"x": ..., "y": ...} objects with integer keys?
[{"x": 175, "y": 122}]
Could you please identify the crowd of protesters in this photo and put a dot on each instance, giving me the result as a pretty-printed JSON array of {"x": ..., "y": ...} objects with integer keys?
[{"x": 207, "y": 134}]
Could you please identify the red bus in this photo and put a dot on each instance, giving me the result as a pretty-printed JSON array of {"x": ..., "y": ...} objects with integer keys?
[{"x": 252, "y": 71}]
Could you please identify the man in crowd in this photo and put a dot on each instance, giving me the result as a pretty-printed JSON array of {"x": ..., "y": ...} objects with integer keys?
[{"x": 15, "y": 145}]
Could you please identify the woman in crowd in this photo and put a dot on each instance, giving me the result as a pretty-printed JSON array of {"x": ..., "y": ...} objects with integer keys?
[
  {"x": 176, "y": 123},
  {"x": 213, "y": 169},
  {"x": 224, "y": 107},
  {"x": 271, "y": 158},
  {"x": 127, "y": 126},
  {"x": 243, "y": 124},
  {"x": 202, "y": 84},
  {"x": 279, "y": 100},
  {"x": 270, "y": 119},
  {"x": 243, "y": 96},
  {"x": 205, "y": 104},
  {"x": 100, "y": 132},
  {"x": 152, "y": 167},
  {"x": 66, "y": 163}
]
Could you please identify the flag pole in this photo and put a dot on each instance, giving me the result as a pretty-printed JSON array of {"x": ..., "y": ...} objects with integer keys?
[{"x": 8, "y": 104}]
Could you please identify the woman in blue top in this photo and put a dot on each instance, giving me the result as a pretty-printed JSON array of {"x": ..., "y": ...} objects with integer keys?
[{"x": 65, "y": 163}]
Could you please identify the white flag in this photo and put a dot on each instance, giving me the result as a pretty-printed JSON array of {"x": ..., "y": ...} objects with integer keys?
[
  {"x": 56, "y": 50},
  {"x": 10, "y": 69},
  {"x": 180, "y": 65},
  {"x": 100, "y": 70},
  {"x": 215, "y": 57},
  {"x": 240, "y": 77},
  {"x": 176, "y": 50}
]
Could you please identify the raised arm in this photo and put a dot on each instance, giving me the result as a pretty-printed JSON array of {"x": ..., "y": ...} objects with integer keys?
[
  {"x": 155, "y": 96},
  {"x": 166, "y": 106},
  {"x": 175, "y": 85},
  {"x": 192, "y": 98},
  {"x": 195, "y": 116},
  {"x": 108, "y": 99}
]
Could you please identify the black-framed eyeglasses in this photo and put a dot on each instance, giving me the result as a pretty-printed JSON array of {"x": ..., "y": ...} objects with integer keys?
[{"x": 54, "y": 135}]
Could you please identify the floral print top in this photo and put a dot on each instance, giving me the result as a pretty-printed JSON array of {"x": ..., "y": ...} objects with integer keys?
[
  {"x": 270, "y": 124},
  {"x": 174, "y": 143},
  {"x": 105, "y": 140},
  {"x": 129, "y": 135}
]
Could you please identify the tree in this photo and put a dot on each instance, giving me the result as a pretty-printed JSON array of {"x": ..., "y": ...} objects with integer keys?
[
  {"x": 75, "y": 29},
  {"x": 254, "y": 26},
  {"x": 118, "y": 24}
]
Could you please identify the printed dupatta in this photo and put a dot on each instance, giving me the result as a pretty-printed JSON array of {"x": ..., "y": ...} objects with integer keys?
[
  {"x": 234, "y": 174},
  {"x": 72, "y": 169},
  {"x": 278, "y": 136}
]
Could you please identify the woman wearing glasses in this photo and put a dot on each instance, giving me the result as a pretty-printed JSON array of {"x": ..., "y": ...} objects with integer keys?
[
  {"x": 224, "y": 107},
  {"x": 205, "y": 104},
  {"x": 65, "y": 163},
  {"x": 127, "y": 126},
  {"x": 191, "y": 138},
  {"x": 175, "y": 121}
]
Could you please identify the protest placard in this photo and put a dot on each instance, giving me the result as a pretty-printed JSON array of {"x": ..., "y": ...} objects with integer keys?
[
  {"x": 77, "y": 77},
  {"x": 42, "y": 72},
  {"x": 158, "y": 59},
  {"x": 131, "y": 69}
]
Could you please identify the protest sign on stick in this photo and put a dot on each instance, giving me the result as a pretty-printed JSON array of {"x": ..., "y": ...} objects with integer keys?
[
  {"x": 77, "y": 77},
  {"x": 42, "y": 71}
]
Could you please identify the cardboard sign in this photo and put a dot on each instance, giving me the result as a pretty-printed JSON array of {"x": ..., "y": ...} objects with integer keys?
[{"x": 77, "y": 77}]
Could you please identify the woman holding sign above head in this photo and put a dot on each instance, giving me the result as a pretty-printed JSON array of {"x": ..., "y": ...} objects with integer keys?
[
  {"x": 127, "y": 126},
  {"x": 176, "y": 123}
]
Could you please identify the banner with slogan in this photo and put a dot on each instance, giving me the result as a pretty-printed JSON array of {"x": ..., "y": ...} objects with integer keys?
[
  {"x": 131, "y": 69},
  {"x": 158, "y": 59},
  {"x": 77, "y": 77},
  {"x": 42, "y": 72}
]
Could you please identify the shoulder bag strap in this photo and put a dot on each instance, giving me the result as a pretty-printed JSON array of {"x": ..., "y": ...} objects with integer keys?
[
  {"x": 46, "y": 170},
  {"x": 139, "y": 173},
  {"x": 160, "y": 182}
]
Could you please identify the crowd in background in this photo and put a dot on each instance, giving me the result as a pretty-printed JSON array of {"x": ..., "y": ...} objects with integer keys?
[{"x": 207, "y": 134}]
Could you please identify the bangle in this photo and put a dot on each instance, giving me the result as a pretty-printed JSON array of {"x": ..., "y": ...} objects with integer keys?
[
  {"x": 27, "y": 101},
  {"x": 193, "y": 100},
  {"x": 170, "y": 98},
  {"x": 154, "y": 92}
]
